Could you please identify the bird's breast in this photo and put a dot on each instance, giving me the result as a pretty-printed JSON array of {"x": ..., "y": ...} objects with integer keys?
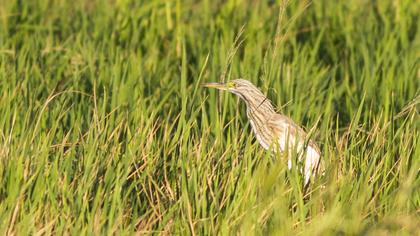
[{"x": 258, "y": 134}]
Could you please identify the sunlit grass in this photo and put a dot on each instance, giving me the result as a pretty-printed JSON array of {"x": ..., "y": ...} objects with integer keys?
[{"x": 105, "y": 129}]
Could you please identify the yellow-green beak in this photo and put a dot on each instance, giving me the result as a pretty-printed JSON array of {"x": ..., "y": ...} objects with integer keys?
[{"x": 221, "y": 86}]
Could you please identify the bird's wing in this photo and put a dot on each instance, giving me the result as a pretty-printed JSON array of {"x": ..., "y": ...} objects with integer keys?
[
  {"x": 292, "y": 137},
  {"x": 282, "y": 126}
]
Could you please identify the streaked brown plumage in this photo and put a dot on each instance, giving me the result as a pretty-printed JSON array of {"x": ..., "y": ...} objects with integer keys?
[{"x": 274, "y": 131}]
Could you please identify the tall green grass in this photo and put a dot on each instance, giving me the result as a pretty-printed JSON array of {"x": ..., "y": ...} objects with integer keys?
[{"x": 104, "y": 128}]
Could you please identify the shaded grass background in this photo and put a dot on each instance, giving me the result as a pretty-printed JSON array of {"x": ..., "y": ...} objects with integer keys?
[{"x": 104, "y": 127}]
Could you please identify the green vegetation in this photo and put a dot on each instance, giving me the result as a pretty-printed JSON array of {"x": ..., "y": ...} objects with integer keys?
[{"x": 104, "y": 128}]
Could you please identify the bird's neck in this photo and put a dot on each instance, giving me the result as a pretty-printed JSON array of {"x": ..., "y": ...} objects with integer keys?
[
  {"x": 258, "y": 112},
  {"x": 259, "y": 105}
]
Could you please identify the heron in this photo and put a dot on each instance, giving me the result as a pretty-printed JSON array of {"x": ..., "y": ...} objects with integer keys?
[{"x": 274, "y": 131}]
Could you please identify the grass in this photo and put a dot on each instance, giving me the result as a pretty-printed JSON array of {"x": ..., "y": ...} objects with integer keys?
[{"x": 104, "y": 128}]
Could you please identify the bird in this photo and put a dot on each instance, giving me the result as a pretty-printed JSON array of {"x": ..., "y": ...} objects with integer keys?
[{"x": 274, "y": 131}]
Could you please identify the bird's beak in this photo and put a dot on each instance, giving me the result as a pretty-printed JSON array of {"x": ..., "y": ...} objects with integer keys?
[{"x": 221, "y": 86}]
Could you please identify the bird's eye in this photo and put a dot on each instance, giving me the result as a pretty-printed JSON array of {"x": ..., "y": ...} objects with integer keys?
[{"x": 231, "y": 85}]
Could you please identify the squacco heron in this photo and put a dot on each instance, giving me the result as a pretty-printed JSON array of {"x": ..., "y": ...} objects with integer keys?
[{"x": 274, "y": 131}]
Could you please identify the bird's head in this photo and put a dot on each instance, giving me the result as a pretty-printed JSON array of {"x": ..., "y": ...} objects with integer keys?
[
  {"x": 252, "y": 96},
  {"x": 238, "y": 86}
]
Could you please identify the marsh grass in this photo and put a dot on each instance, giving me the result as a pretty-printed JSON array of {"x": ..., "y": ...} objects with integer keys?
[{"x": 104, "y": 128}]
